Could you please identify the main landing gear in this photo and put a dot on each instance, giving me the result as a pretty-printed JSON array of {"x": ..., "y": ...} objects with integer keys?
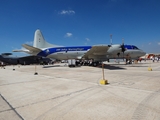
[
  {"x": 90, "y": 63},
  {"x": 128, "y": 61}
]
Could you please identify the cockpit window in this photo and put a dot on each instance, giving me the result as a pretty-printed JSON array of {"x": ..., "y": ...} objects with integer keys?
[
  {"x": 134, "y": 47},
  {"x": 131, "y": 47}
]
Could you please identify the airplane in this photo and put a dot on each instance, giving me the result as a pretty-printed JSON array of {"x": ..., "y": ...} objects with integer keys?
[
  {"x": 96, "y": 53},
  {"x": 26, "y": 60}
]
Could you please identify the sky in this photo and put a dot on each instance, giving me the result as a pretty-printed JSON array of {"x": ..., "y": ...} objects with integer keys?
[{"x": 80, "y": 23}]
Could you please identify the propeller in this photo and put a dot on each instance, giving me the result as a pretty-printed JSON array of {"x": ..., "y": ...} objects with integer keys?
[
  {"x": 118, "y": 56},
  {"x": 123, "y": 48}
]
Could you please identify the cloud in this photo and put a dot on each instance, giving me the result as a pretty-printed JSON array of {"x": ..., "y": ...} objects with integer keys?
[
  {"x": 67, "y": 12},
  {"x": 149, "y": 43},
  {"x": 68, "y": 34},
  {"x": 85, "y": 43},
  {"x": 87, "y": 39},
  {"x": 158, "y": 43}
]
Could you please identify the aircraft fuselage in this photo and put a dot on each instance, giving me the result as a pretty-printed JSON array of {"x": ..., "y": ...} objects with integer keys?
[{"x": 64, "y": 53}]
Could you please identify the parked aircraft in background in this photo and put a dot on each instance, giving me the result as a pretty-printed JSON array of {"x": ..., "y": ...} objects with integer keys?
[
  {"x": 97, "y": 53},
  {"x": 26, "y": 60}
]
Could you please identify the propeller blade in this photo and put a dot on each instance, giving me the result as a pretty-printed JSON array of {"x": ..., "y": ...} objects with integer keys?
[{"x": 123, "y": 50}]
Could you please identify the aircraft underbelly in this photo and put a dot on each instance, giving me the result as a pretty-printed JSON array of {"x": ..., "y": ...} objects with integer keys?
[{"x": 64, "y": 55}]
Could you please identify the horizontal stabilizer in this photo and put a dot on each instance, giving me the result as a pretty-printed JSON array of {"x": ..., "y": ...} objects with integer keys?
[
  {"x": 20, "y": 50},
  {"x": 32, "y": 49}
]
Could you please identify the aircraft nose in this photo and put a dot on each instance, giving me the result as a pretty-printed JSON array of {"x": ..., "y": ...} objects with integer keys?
[{"x": 143, "y": 53}]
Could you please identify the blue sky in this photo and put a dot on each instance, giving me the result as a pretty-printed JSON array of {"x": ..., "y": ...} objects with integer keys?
[{"x": 80, "y": 22}]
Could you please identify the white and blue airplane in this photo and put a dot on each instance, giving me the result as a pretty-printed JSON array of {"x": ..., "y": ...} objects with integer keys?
[{"x": 97, "y": 53}]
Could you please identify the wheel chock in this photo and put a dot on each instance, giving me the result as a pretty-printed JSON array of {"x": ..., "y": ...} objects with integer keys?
[
  {"x": 103, "y": 82},
  {"x": 149, "y": 69},
  {"x": 35, "y": 73}
]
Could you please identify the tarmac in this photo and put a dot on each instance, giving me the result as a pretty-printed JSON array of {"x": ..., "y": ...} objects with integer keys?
[{"x": 58, "y": 92}]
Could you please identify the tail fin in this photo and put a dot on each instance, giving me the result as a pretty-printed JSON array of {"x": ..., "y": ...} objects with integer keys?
[{"x": 39, "y": 41}]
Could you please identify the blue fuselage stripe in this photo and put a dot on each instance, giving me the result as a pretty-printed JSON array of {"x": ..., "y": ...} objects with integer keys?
[{"x": 49, "y": 51}]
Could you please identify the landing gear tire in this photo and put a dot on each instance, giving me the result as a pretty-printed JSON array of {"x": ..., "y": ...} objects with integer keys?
[
  {"x": 71, "y": 65},
  {"x": 95, "y": 64}
]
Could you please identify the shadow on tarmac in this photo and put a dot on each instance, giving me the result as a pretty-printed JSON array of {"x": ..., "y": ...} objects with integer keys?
[
  {"x": 106, "y": 66},
  {"x": 49, "y": 66},
  {"x": 112, "y": 67}
]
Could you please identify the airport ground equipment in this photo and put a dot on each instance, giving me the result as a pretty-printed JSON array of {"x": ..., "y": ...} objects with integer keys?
[
  {"x": 103, "y": 81},
  {"x": 35, "y": 70},
  {"x": 149, "y": 69},
  {"x": 71, "y": 63},
  {"x": 25, "y": 60}
]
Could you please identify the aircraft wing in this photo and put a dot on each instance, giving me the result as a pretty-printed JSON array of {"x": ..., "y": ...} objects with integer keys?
[{"x": 97, "y": 51}]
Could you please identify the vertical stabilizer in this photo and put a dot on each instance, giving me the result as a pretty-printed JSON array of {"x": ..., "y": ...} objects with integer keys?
[{"x": 39, "y": 41}]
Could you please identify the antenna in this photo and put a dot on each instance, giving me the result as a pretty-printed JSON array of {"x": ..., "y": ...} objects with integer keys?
[
  {"x": 123, "y": 41},
  {"x": 111, "y": 38}
]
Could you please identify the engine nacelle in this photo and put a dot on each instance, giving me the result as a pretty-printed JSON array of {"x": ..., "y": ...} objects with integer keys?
[{"x": 114, "y": 49}]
